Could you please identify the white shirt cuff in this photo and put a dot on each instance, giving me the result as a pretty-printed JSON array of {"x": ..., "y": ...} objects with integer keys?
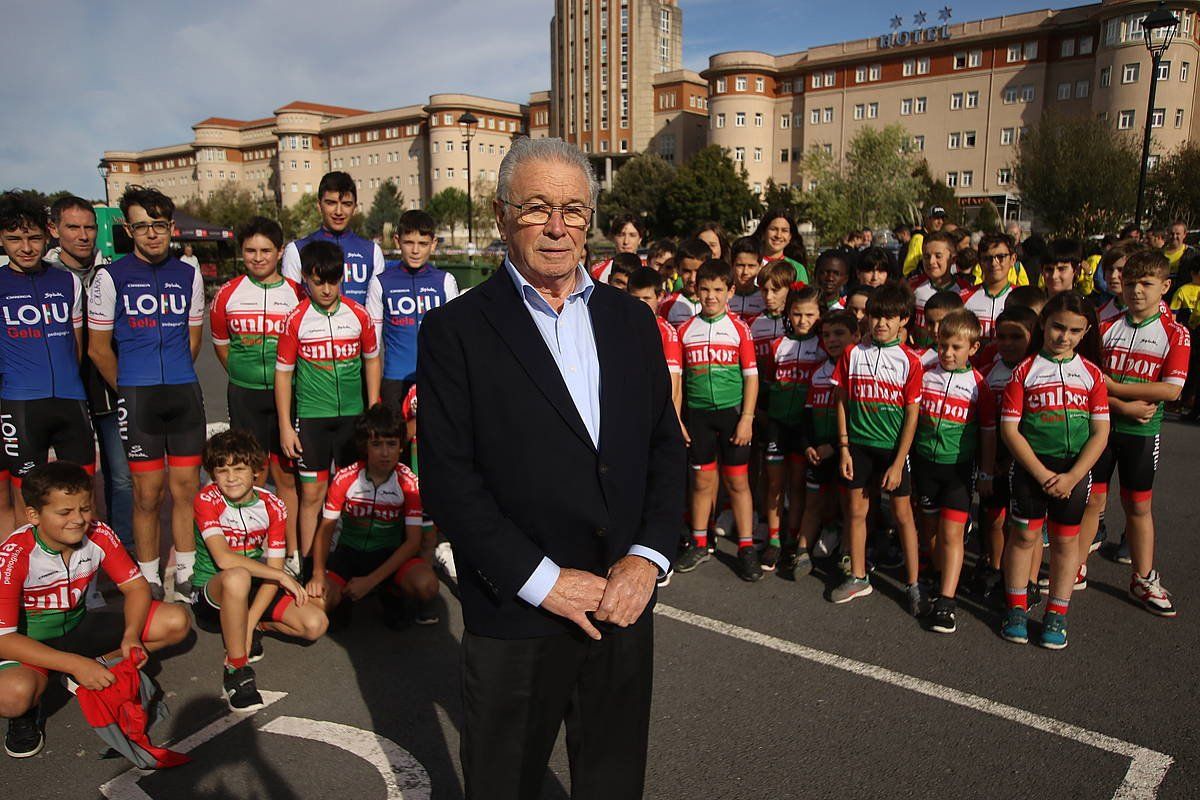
[
  {"x": 540, "y": 583},
  {"x": 658, "y": 559}
]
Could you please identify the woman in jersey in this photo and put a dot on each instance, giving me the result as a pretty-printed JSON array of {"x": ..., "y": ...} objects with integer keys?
[
  {"x": 1054, "y": 420},
  {"x": 778, "y": 239}
]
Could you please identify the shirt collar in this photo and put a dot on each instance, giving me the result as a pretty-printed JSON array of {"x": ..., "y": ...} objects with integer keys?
[{"x": 583, "y": 286}]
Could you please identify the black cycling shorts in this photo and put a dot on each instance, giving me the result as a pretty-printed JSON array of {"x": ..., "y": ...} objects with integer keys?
[
  {"x": 253, "y": 410},
  {"x": 32, "y": 427},
  {"x": 1030, "y": 506},
  {"x": 97, "y": 634},
  {"x": 161, "y": 422},
  {"x": 869, "y": 465},
  {"x": 392, "y": 394},
  {"x": 944, "y": 487},
  {"x": 325, "y": 441},
  {"x": 712, "y": 439},
  {"x": 208, "y": 613},
  {"x": 997, "y": 502},
  {"x": 346, "y": 563},
  {"x": 1135, "y": 460},
  {"x": 819, "y": 476},
  {"x": 783, "y": 440}
]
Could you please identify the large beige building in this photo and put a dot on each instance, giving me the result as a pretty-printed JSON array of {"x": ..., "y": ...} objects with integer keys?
[
  {"x": 421, "y": 148},
  {"x": 965, "y": 91}
]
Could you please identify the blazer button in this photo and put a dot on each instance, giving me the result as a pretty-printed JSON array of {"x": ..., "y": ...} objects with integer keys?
[
  {"x": 601, "y": 532},
  {"x": 604, "y": 469}
]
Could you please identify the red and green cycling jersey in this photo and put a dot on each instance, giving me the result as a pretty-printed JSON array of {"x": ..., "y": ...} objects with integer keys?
[
  {"x": 955, "y": 406},
  {"x": 1054, "y": 401},
  {"x": 1153, "y": 351},
  {"x": 878, "y": 381},
  {"x": 718, "y": 354},
  {"x": 326, "y": 348},
  {"x": 41, "y": 594},
  {"x": 791, "y": 362},
  {"x": 247, "y": 317},
  {"x": 374, "y": 516},
  {"x": 821, "y": 405},
  {"x": 254, "y": 528}
]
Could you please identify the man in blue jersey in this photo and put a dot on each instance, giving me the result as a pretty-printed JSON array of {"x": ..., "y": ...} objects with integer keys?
[
  {"x": 337, "y": 200},
  {"x": 42, "y": 402},
  {"x": 145, "y": 317},
  {"x": 398, "y": 298}
]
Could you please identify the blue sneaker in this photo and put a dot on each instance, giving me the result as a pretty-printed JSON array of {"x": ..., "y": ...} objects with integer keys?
[
  {"x": 1015, "y": 628},
  {"x": 1054, "y": 631}
]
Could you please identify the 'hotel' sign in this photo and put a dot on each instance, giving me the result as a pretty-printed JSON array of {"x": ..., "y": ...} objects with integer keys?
[{"x": 920, "y": 33}]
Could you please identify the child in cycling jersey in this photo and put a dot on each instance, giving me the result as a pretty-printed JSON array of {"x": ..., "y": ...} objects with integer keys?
[{"x": 378, "y": 502}]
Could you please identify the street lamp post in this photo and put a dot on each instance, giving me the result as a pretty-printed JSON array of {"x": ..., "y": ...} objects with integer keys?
[
  {"x": 1158, "y": 28},
  {"x": 468, "y": 122},
  {"x": 104, "y": 170}
]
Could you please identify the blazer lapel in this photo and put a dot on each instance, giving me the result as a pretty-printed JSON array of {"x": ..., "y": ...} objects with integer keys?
[{"x": 508, "y": 315}]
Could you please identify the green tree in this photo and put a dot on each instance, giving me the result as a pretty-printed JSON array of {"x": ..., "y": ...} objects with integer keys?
[
  {"x": 231, "y": 206},
  {"x": 1077, "y": 174},
  {"x": 1173, "y": 186},
  {"x": 449, "y": 208},
  {"x": 301, "y": 218},
  {"x": 386, "y": 209},
  {"x": 988, "y": 220},
  {"x": 933, "y": 192},
  {"x": 788, "y": 198},
  {"x": 484, "y": 192},
  {"x": 640, "y": 188},
  {"x": 710, "y": 187},
  {"x": 872, "y": 186},
  {"x": 41, "y": 198}
]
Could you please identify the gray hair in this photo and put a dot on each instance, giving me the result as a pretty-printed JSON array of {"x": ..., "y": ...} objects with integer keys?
[{"x": 526, "y": 149}]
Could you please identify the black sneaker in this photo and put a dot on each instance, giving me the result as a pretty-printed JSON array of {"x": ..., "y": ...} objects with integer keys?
[
  {"x": 769, "y": 558},
  {"x": 942, "y": 618},
  {"x": 240, "y": 691},
  {"x": 256, "y": 649},
  {"x": 691, "y": 558},
  {"x": 427, "y": 615},
  {"x": 1034, "y": 594},
  {"x": 890, "y": 556},
  {"x": 748, "y": 567},
  {"x": 788, "y": 556},
  {"x": 397, "y": 612},
  {"x": 25, "y": 738}
]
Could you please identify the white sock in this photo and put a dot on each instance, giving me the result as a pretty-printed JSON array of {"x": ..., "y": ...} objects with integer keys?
[
  {"x": 184, "y": 562},
  {"x": 150, "y": 571}
]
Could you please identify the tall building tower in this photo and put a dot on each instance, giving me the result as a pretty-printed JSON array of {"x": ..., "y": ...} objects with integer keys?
[{"x": 604, "y": 59}]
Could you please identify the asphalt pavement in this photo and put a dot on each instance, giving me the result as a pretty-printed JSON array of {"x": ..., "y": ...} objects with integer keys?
[{"x": 761, "y": 691}]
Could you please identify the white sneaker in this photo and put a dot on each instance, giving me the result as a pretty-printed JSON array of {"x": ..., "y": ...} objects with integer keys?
[
  {"x": 443, "y": 556},
  {"x": 1150, "y": 593}
]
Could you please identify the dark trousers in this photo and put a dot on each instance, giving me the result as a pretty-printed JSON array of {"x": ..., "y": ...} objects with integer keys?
[{"x": 517, "y": 692}]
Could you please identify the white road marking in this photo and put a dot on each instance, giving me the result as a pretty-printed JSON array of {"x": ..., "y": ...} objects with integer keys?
[
  {"x": 1147, "y": 768},
  {"x": 403, "y": 775},
  {"x": 125, "y": 786}
]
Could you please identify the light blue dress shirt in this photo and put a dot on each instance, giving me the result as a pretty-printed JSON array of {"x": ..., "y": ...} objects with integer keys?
[{"x": 569, "y": 336}]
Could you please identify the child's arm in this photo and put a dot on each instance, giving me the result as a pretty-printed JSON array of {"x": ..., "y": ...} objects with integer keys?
[
  {"x": 358, "y": 588},
  {"x": 196, "y": 315},
  {"x": 286, "y": 352},
  {"x": 1151, "y": 391},
  {"x": 1062, "y": 485},
  {"x": 372, "y": 363},
  {"x": 225, "y": 559},
  {"x": 87, "y": 672},
  {"x": 745, "y": 426},
  {"x": 908, "y": 431},
  {"x": 373, "y": 375},
  {"x": 1018, "y": 445},
  {"x": 846, "y": 464},
  {"x": 137, "y": 608},
  {"x": 262, "y": 600},
  {"x": 320, "y": 556}
]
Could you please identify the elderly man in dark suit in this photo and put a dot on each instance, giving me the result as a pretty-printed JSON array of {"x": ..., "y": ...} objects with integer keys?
[{"x": 552, "y": 460}]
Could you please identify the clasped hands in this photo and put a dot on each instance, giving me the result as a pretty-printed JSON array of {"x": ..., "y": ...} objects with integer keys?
[{"x": 620, "y": 599}]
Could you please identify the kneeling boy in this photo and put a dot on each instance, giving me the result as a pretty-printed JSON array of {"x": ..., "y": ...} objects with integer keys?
[{"x": 45, "y": 627}]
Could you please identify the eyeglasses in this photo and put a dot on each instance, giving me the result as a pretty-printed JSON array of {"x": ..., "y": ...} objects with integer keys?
[
  {"x": 995, "y": 258},
  {"x": 573, "y": 216},
  {"x": 142, "y": 228}
]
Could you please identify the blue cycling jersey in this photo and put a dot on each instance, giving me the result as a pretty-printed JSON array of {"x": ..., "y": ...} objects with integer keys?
[
  {"x": 363, "y": 261},
  {"x": 42, "y": 309},
  {"x": 397, "y": 300},
  {"x": 150, "y": 308}
]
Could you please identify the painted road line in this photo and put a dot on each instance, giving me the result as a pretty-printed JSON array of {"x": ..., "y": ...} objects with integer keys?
[
  {"x": 403, "y": 776},
  {"x": 1147, "y": 768},
  {"x": 125, "y": 786}
]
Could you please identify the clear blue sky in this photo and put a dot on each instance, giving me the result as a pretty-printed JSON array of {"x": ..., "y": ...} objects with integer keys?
[{"x": 129, "y": 75}]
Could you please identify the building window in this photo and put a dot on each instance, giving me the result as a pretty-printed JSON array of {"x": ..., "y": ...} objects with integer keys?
[
  {"x": 1014, "y": 53},
  {"x": 960, "y": 60},
  {"x": 1184, "y": 68},
  {"x": 783, "y": 155},
  {"x": 910, "y": 67},
  {"x": 974, "y": 58},
  {"x": 1106, "y": 77},
  {"x": 830, "y": 78},
  {"x": 1125, "y": 120},
  {"x": 437, "y": 174},
  {"x": 449, "y": 173},
  {"x": 872, "y": 110},
  {"x": 1129, "y": 73},
  {"x": 1067, "y": 49},
  {"x": 1004, "y": 176},
  {"x": 956, "y": 101},
  {"x": 739, "y": 119},
  {"x": 1179, "y": 118},
  {"x": 1006, "y": 136},
  {"x": 1064, "y": 91},
  {"x": 739, "y": 154},
  {"x": 758, "y": 120},
  {"x": 874, "y": 71},
  {"x": 1031, "y": 51},
  {"x": 759, "y": 85},
  {"x": 827, "y": 114},
  {"x": 1082, "y": 89},
  {"x": 923, "y": 65},
  {"x": 624, "y": 146},
  {"x": 1164, "y": 70},
  {"x": 785, "y": 87},
  {"x": 785, "y": 121},
  {"x": 967, "y": 178},
  {"x": 919, "y": 143},
  {"x": 816, "y": 80},
  {"x": 973, "y": 99},
  {"x": 969, "y": 138},
  {"x": 860, "y": 111},
  {"x": 952, "y": 179},
  {"x": 447, "y": 119},
  {"x": 1027, "y": 93},
  {"x": 906, "y": 106},
  {"x": 721, "y": 86},
  {"x": 953, "y": 141},
  {"x": 720, "y": 120},
  {"x": 1010, "y": 95},
  {"x": 919, "y": 108},
  {"x": 1158, "y": 118},
  {"x": 1085, "y": 45},
  {"x": 815, "y": 116},
  {"x": 758, "y": 155},
  {"x": 739, "y": 83},
  {"x": 828, "y": 148}
]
